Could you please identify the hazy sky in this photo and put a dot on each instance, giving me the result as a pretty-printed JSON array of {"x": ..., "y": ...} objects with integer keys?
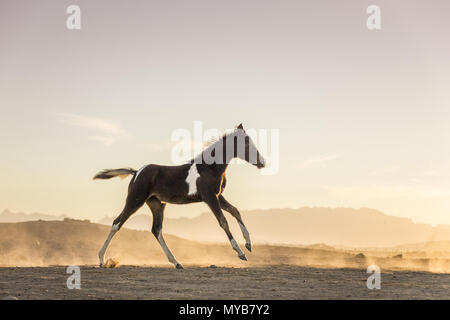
[{"x": 363, "y": 115}]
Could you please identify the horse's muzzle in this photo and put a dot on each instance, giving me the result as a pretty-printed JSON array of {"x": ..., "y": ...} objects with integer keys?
[{"x": 260, "y": 164}]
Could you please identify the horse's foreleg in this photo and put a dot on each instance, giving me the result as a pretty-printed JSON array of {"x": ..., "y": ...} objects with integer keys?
[
  {"x": 225, "y": 205},
  {"x": 214, "y": 205},
  {"x": 157, "y": 209}
]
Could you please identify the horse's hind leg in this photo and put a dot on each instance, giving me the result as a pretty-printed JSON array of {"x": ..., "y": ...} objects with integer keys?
[
  {"x": 134, "y": 202},
  {"x": 225, "y": 205},
  {"x": 157, "y": 209}
]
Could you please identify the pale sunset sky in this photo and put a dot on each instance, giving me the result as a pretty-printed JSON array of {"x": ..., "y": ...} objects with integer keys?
[{"x": 363, "y": 115}]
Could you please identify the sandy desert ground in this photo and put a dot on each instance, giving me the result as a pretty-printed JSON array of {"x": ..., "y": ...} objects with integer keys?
[{"x": 270, "y": 282}]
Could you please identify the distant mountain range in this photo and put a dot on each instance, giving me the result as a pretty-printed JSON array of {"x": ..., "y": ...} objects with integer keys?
[
  {"x": 343, "y": 227},
  {"x": 8, "y": 216},
  {"x": 334, "y": 226}
]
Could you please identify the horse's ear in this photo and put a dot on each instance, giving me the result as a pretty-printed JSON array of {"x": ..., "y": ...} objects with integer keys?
[{"x": 240, "y": 127}]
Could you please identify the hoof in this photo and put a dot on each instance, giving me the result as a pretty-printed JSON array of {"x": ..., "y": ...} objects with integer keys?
[
  {"x": 243, "y": 257},
  {"x": 100, "y": 265},
  {"x": 179, "y": 266},
  {"x": 248, "y": 246}
]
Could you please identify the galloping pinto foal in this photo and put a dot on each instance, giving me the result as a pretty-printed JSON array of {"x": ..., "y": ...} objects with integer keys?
[{"x": 201, "y": 179}]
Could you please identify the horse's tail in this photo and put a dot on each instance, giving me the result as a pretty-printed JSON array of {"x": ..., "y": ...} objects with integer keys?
[{"x": 111, "y": 173}]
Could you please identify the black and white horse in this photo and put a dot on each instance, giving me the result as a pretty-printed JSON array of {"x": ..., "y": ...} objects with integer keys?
[{"x": 201, "y": 179}]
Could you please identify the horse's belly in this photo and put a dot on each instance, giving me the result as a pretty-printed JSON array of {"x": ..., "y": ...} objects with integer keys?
[
  {"x": 176, "y": 196},
  {"x": 182, "y": 199}
]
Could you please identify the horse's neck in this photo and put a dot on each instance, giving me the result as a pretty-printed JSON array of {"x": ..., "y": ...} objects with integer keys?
[{"x": 219, "y": 167}]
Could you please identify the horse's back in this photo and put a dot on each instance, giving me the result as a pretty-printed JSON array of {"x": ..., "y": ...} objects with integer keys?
[{"x": 167, "y": 183}]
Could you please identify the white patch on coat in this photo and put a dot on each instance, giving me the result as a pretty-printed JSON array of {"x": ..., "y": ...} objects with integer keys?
[
  {"x": 191, "y": 179},
  {"x": 137, "y": 173}
]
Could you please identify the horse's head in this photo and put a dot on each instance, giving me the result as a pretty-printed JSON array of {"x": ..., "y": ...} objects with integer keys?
[{"x": 245, "y": 148}]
